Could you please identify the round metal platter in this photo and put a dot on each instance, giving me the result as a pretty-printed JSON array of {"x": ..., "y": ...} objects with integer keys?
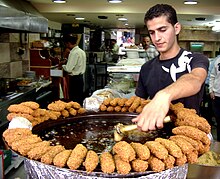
[{"x": 95, "y": 131}]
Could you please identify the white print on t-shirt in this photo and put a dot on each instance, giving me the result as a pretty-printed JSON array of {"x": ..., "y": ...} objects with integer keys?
[{"x": 183, "y": 64}]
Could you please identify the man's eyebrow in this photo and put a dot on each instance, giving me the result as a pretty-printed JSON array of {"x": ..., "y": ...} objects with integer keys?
[{"x": 164, "y": 26}]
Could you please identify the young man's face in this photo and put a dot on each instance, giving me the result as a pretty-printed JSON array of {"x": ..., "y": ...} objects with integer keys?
[{"x": 163, "y": 34}]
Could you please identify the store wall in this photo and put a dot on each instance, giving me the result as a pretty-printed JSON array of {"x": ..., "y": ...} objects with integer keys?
[{"x": 13, "y": 55}]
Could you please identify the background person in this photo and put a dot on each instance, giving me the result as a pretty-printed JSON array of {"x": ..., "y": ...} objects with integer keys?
[
  {"x": 176, "y": 75},
  {"x": 114, "y": 50},
  {"x": 214, "y": 90},
  {"x": 75, "y": 67},
  {"x": 151, "y": 51}
]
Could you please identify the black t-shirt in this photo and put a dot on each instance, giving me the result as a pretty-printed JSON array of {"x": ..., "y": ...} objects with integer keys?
[{"x": 157, "y": 74}]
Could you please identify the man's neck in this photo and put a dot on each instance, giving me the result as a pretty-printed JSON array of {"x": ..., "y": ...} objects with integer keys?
[{"x": 170, "y": 53}]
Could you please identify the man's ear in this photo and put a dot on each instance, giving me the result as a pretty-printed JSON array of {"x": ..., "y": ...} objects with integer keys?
[{"x": 177, "y": 27}]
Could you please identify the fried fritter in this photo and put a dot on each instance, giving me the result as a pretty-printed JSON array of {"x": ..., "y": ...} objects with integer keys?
[
  {"x": 102, "y": 107},
  {"x": 184, "y": 118},
  {"x": 56, "y": 106},
  {"x": 68, "y": 105},
  {"x": 114, "y": 102},
  {"x": 144, "y": 102},
  {"x": 135, "y": 104},
  {"x": 107, "y": 162},
  {"x": 156, "y": 164},
  {"x": 72, "y": 111},
  {"x": 91, "y": 161},
  {"x": 124, "y": 151},
  {"x": 31, "y": 104},
  {"x": 48, "y": 157},
  {"x": 139, "y": 109},
  {"x": 130, "y": 101},
  {"x": 122, "y": 101},
  {"x": 65, "y": 113},
  {"x": 60, "y": 160},
  {"x": 169, "y": 162},
  {"x": 110, "y": 108},
  {"x": 26, "y": 140},
  {"x": 157, "y": 149},
  {"x": 39, "y": 112},
  {"x": 10, "y": 116},
  {"x": 124, "y": 109},
  {"x": 75, "y": 105},
  {"x": 139, "y": 165},
  {"x": 81, "y": 111},
  {"x": 37, "y": 152},
  {"x": 192, "y": 157},
  {"x": 185, "y": 146},
  {"x": 195, "y": 143},
  {"x": 11, "y": 135},
  {"x": 122, "y": 167},
  {"x": 24, "y": 149},
  {"x": 106, "y": 102},
  {"x": 117, "y": 108},
  {"x": 77, "y": 156},
  {"x": 141, "y": 150},
  {"x": 18, "y": 108},
  {"x": 192, "y": 132},
  {"x": 203, "y": 149},
  {"x": 171, "y": 146},
  {"x": 181, "y": 161}
]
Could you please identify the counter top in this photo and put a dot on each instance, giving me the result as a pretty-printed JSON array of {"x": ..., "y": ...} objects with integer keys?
[
  {"x": 16, "y": 94},
  {"x": 124, "y": 69}
]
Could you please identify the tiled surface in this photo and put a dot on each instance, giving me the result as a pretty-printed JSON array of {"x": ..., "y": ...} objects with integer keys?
[
  {"x": 4, "y": 52},
  {"x": 4, "y": 70},
  {"x": 16, "y": 69},
  {"x": 12, "y": 64}
]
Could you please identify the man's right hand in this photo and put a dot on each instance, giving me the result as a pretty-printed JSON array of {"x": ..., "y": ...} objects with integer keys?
[
  {"x": 153, "y": 114},
  {"x": 212, "y": 95}
]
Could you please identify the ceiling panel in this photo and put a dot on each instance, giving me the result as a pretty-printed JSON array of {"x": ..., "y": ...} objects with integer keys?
[{"x": 133, "y": 10}]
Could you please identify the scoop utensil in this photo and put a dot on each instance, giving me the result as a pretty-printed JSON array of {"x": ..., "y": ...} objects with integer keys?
[{"x": 121, "y": 129}]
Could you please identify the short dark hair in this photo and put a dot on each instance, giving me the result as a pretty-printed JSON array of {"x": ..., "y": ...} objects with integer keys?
[
  {"x": 162, "y": 10},
  {"x": 70, "y": 38}
]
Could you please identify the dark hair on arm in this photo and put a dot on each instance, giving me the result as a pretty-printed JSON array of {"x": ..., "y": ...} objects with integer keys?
[
  {"x": 162, "y": 10},
  {"x": 70, "y": 38}
]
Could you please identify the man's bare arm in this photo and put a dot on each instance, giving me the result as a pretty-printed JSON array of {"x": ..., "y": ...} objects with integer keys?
[{"x": 153, "y": 113}]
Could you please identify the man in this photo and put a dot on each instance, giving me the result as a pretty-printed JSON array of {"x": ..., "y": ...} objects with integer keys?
[
  {"x": 75, "y": 67},
  {"x": 151, "y": 51},
  {"x": 214, "y": 90},
  {"x": 176, "y": 75},
  {"x": 114, "y": 50}
]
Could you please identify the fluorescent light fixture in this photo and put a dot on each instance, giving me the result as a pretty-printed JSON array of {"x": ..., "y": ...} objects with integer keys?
[
  {"x": 122, "y": 19},
  {"x": 80, "y": 18},
  {"x": 126, "y": 24},
  {"x": 115, "y": 1},
  {"x": 59, "y": 1},
  {"x": 190, "y": 2}
]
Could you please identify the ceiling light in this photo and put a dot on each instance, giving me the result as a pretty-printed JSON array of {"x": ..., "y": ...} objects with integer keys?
[
  {"x": 190, "y": 2},
  {"x": 59, "y": 1},
  {"x": 80, "y": 18},
  {"x": 115, "y": 1},
  {"x": 122, "y": 19}
]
